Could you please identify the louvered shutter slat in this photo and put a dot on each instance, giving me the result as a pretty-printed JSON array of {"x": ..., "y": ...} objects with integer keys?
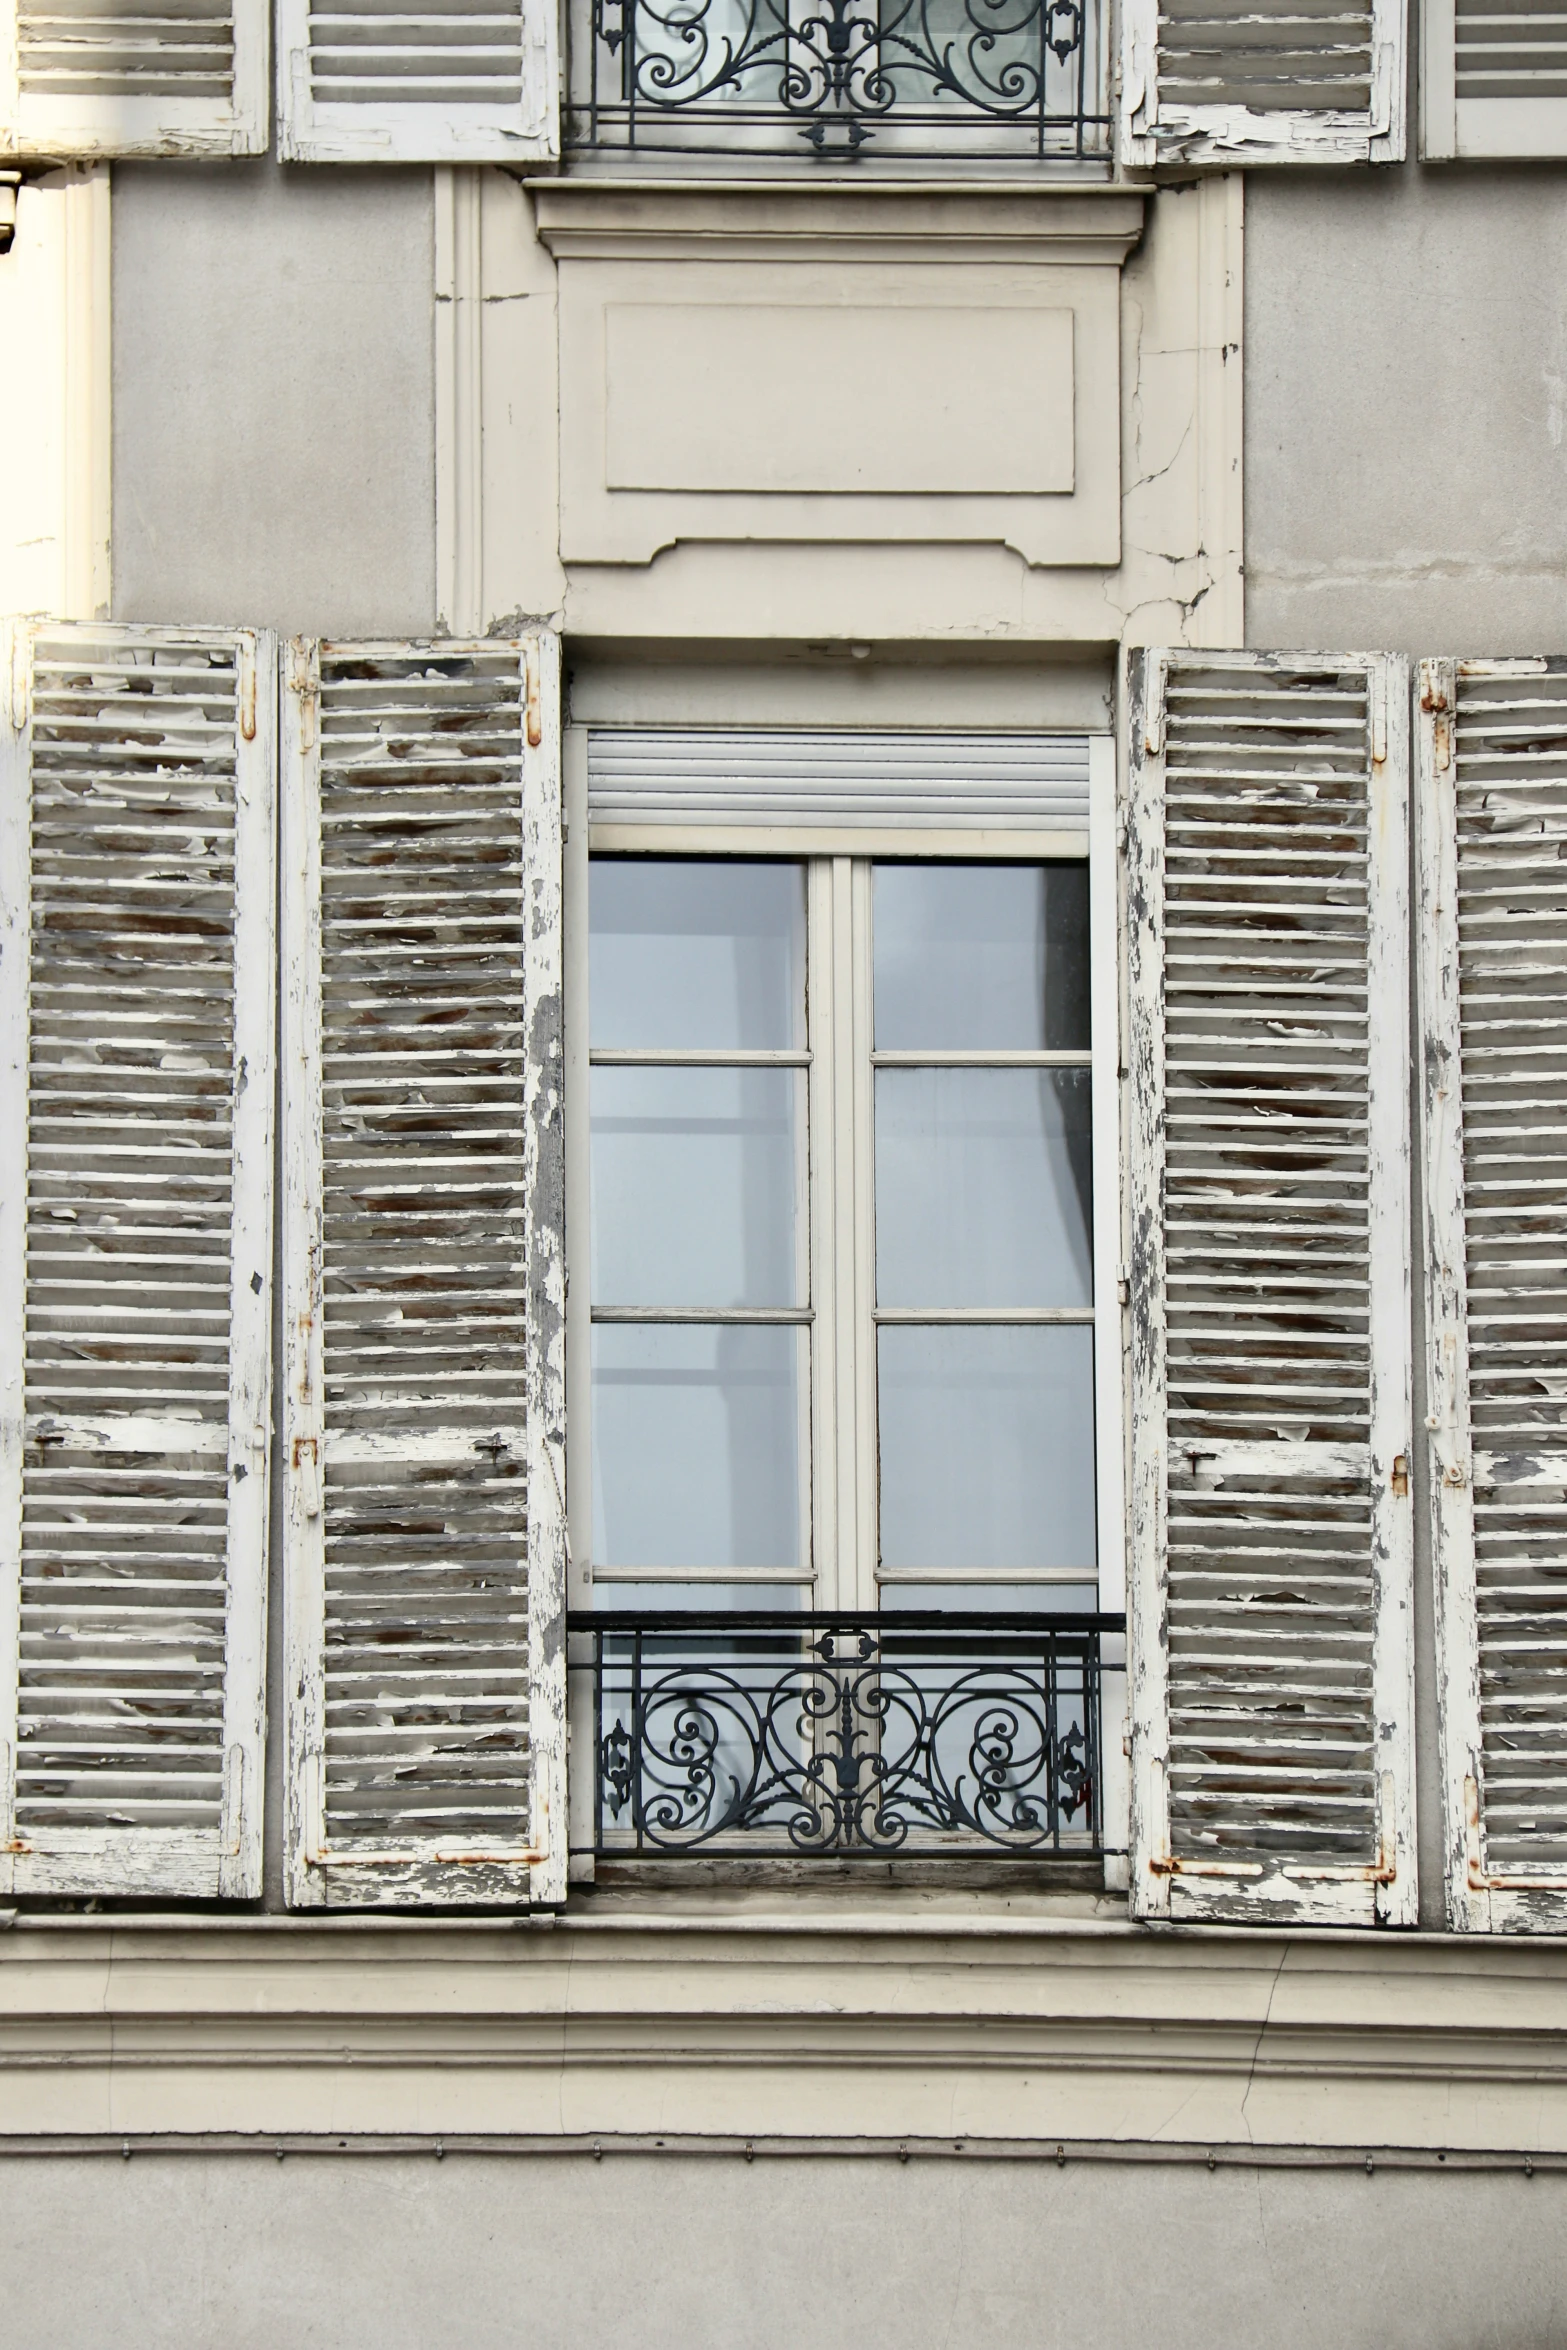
[
  {"x": 1270, "y": 1367},
  {"x": 1492, "y": 799},
  {"x": 91, "y": 78},
  {"x": 448, "y": 82},
  {"x": 1493, "y": 79},
  {"x": 1274, "y": 81},
  {"x": 426, "y": 1486},
  {"x": 135, "y": 1248}
]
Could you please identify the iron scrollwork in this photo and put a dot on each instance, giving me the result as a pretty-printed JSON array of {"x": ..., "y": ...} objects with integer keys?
[
  {"x": 838, "y": 1737},
  {"x": 841, "y": 78}
]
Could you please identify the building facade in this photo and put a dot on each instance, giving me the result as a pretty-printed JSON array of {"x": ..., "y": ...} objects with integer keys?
[{"x": 784, "y": 1430}]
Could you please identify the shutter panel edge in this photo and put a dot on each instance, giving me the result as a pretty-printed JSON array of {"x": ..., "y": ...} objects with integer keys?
[
  {"x": 1338, "y": 1896},
  {"x": 1449, "y": 1447},
  {"x": 15, "y": 924},
  {"x": 1147, "y": 1542},
  {"x": 1481, "y": 1896},
  {"x": 1151, "y": 131}
]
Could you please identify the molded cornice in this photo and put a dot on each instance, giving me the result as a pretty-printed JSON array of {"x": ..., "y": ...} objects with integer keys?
[
  {"x": 787, "y": 220},
  {"x": 1006, "y": 2030}
]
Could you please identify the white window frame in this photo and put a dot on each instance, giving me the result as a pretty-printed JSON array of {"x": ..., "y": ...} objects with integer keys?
[
  {"x": 842, "y": 1568},
  {"x": 1453, "y": 128}
]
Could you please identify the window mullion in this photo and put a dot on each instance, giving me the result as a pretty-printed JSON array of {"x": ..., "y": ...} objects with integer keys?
[{"x": 862, "y": 1208}]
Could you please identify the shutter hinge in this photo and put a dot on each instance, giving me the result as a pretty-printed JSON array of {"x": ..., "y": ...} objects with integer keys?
[
  {"x": 1400, "y": 1476},
  {"x": 307, "y": 1466}
]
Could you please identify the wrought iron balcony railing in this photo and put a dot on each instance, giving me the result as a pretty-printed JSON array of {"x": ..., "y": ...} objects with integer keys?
[
  {"x": 885, "y": 1735},
  {"x": 840, "y": 80}
]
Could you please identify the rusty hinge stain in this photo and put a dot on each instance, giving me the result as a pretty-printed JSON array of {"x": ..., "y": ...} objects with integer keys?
[
  {"x": 1400, "y": 1477},
  {"x": 535, "y": 715}
]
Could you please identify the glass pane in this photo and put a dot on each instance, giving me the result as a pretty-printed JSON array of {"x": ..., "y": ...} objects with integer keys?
[
  {"x": 981, "y": 957},
  {"x": 710, "y": 954},
  {"x": 983, "y": 1187},
  {"x": 987, "y": 1447},
  {"x": 697, "y": 1183},
  {"x": 696, "y": 1446}
]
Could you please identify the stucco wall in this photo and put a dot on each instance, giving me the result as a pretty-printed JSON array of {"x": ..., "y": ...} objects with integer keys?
[
  {"x": 274, "y": 397},
  {"x": 1406, "y": 409},
  {"x": 708, "y": 2253}
]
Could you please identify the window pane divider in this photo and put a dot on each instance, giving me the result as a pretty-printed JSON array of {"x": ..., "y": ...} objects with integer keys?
[
  {"x": 980, "y": 1316},
  {"x": 603, "y": 1056},
  {"x": 980, "y": 1059},
  {"x": 790, "y": 1314},
  {"x": 796, "y": 1576},
  {"x": 984, "y": 1575}
]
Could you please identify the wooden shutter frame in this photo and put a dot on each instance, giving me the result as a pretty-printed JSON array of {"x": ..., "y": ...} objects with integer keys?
[
  {"x": 414, "y": 1877},
  {"x": 1479, "y": 1899},
  {"x": 176, "y": 1863},
  {"x": 1454, "y": 127},
  {"x": 89, "y": 129},
  {"x": 312, "y": 130},
  {"x": 1331, "y": 1896},
  {"x": 1149, "y": 133}
]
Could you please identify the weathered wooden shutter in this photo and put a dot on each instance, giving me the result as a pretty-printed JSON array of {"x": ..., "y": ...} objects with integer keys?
[
  {"x": 424, "y": 1273},
  {"x": 136, "y": 1020},
  {"x": 445, "y": 83},
  {"x": 1493, "y": 79},
  {"x": 1271, "y": 81},
  {"x": 1271, "y": 1548},
  {"x": 86, "y": 78},
  {"x": 1492, "y": 834}
]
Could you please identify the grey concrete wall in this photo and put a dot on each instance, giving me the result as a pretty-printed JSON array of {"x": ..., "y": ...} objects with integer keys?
[
  {"x": 708, "y": 2253},
  {"x": 1406, "y": 397},
  {"x": 274, "y": 397}
]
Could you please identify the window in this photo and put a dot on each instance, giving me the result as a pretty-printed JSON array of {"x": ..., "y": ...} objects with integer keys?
[
  {"x": 834, "y": 1414},
  {"x": 842, "y": 1282}
]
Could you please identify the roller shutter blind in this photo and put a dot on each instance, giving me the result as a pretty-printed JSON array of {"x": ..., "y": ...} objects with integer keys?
[
  {"x": 1492, "y": 832},
  {"x": 424, "y": 1273},
  {"x": 91, "y": 78},
  {"x": 1493, "y": 79},
  {"x": 450, "y": 82},
  {"x": 1273, "y": 81},
  {"x": 136, "y": 1023},
  {"x": 1270, "y": 1544}
]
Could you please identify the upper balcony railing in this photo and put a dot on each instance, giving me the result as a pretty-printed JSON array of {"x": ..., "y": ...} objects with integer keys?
[
  {"x": 892, "y": 1734},
  {"x": 840, "y": 81}
]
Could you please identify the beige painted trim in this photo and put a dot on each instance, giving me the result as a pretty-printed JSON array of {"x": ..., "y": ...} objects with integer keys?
[
  {"x": 459, "y": 401},
  {"x": 686, "y": 220},
  {"x": 55, "y": 308},
  {"x": 1220, "y": 619},
  {"x": 1007, "y": 2020}
]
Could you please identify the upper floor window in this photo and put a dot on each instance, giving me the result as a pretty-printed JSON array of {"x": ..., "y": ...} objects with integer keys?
[{"x": 903, "y": 79}]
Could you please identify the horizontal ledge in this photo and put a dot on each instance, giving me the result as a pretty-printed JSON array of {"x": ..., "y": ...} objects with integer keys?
[
  {"x": 693, "y": 1057},
  {"x": 275, "y": 2144},
  {"x": 663, "y": 1576},
  {"x": 980, "y": 1059},
  {"x": 900, "y": 837},
  {"x": 682, "y": 1316},
  {"x": 980, "y": 1317}
]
